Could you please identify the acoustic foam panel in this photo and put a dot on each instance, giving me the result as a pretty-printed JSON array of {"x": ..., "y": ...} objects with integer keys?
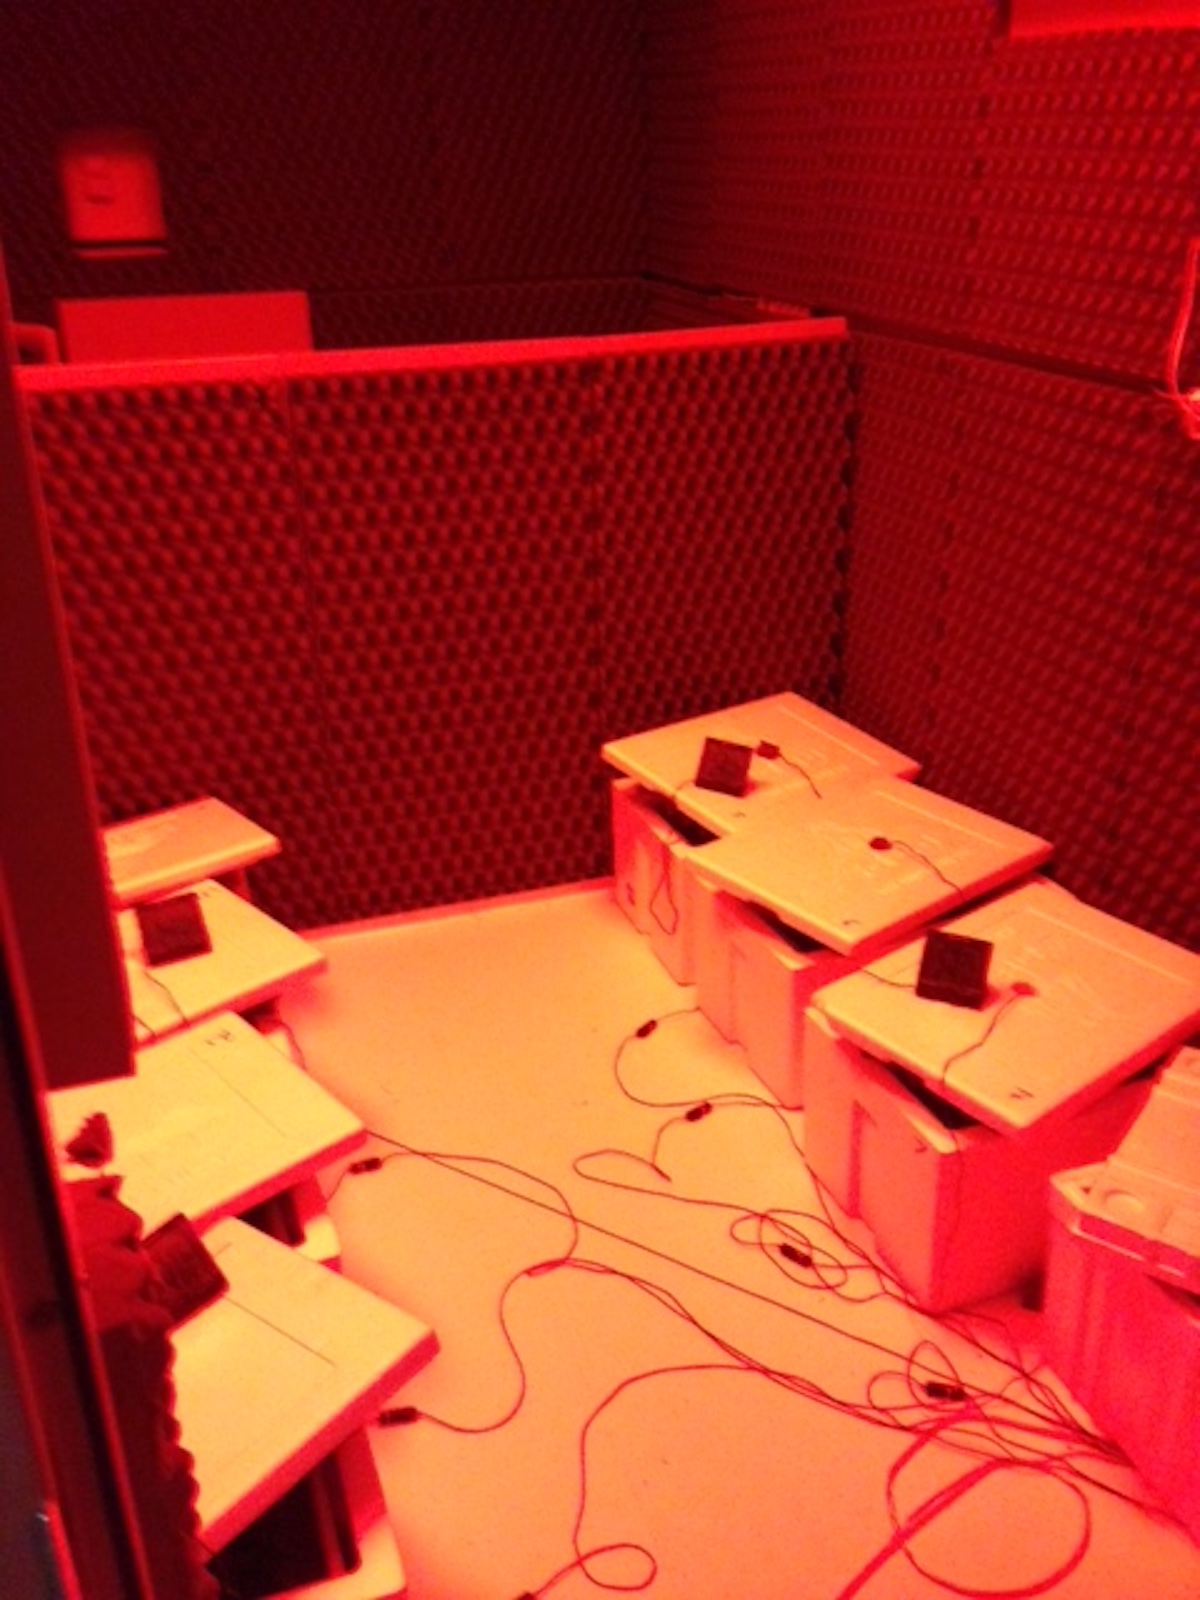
[
  {"x": 479, "y": 312},
  {"x": 67, "y": 67},
  {"x": 903, "y": 95},
  {"x": 1156, "y": 821},
  {"x": 1088, "y": 190},
  {"x": 735, "y": 137},
  {"x": 454, "y": 619},
  {"x": 723, "y": 482},
  {"x": 172, "y": 512},
  {"x": 1051, "y": 528},
  {"x": 905, "y": 461},
  {"x": 314, "y": 142},
  {"x": 363, "y": 146},
  {"x": 536, "y": 123}
]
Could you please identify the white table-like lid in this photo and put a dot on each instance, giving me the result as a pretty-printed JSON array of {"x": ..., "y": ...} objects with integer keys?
[
  {"x": 819, "y": 753},
  {"x": 279, "y": 1370},
  {"x": 1077, "y": 1001},
  {"x": 868, "y": 863},
  {"x": 252, "y": 958},
  {"x": 167, "y": 850},
  {"x": 213, "y": 1120}
]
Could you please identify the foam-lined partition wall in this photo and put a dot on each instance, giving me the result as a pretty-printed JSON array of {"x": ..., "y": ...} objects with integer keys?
[
  {"x": 1047, "y": 576},
  {"x": 1156, "y": 820},
  {"x": 483, "y": 313},
  {"x": 1024, "y": 588},
  {"x": 720, "y": 559},
  {"x": 391, "y": 605},
  {"x": 446, "y": 522},
  {"x": 1088, "y": 188},
  {"x": 538, "y": 137},
  {"x": 174, "y": 519},
  {"x": 902, "y": 85},
  {"x": 904, "y": 466},
  {"x": 736, "y": 130},
  {"x": 911, "y": 165}
]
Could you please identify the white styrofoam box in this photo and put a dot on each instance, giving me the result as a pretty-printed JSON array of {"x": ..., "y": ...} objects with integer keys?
[
  {"x": 630, "y": 822},
  {"x": 651, "y": 881},
  {"x": 1146, "y": 1197},
  {"x": 959, "y": 1211},
  {"x": 774, "y": 980},
  {"x": 1127, "y": 1345},
  {"x": 716, "y": 917},
  {"x": 754, "y": 980}
]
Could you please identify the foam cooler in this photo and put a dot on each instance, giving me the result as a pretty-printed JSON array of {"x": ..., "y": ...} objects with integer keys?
[
  {"x": 1126, "y": 1342},
  {"x": 959, "y": 1211},
  {"x": 1122, "y": 1312}
]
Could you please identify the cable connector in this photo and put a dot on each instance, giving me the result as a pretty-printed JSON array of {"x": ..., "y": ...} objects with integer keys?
[
  {"x": 646, "y": 1029},
  {"x": 936, "y": 1389},
  {"x": 366, "y": 1164},
  {"x": 694, "y": 1113},
  {"x": 398, "y": 1416},
  {"x": 793, "y": 1253}
]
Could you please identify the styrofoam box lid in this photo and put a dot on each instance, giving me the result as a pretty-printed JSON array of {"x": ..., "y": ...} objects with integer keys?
[
  {"x": 1078, "y": 1000},
  {"x": 868, "y": 863},
  {"x": 166, "y": 850},
  {"x": 818, "y": 752}
]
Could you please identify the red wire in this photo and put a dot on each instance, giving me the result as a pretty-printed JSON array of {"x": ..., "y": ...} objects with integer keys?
[{"x": 940, "y": 1501}]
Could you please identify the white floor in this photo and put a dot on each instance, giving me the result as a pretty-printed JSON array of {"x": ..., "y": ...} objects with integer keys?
[{"x": 668, "y": 1389}]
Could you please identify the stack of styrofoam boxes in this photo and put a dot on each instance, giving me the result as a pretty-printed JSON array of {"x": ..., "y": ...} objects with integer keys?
[
  {"x": 1122, "y": 1307},
  {"x": 753, "y": 976},
  {"x": 158, "y": 855},
  {"x": 941, "y": 1126}
]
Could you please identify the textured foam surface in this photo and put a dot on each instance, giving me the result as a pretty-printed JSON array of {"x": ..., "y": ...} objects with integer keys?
[
  {"x": 1023, "y": 594},
  {"x": 392, "y": 616},
  {"x": 1089, "y": 186},
  {"x": 904, "y": 472},
  {"x": 369, "y": 146},
  {"x": 481, "y": 312},
  {"x": 1041, "y": 618},
  {"x": 313, "y": 162},
  {"x": 736, "y": 128},
  {"x": 484, "y": 313},
  {"x": 902, "y": 90},
  {"x": 1151, "y": 878},
  {"x": 909, "y": 164},
  {"x": 538, "y": 127},
  {"x": 451, "y": 564},
  {"x": 60, "y": 72},
  {"x": 173, "y": 516},
  {"x": 723, "y": 509}
]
